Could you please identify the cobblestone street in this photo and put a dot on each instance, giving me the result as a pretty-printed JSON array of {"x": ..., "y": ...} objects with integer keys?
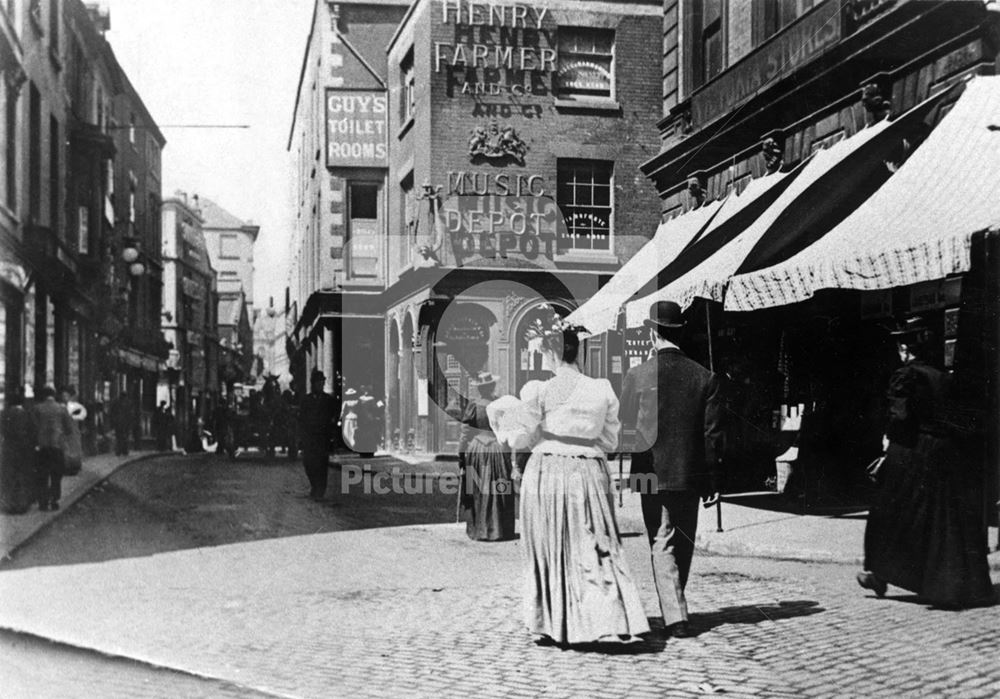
[{"x": 423, "y": 611}]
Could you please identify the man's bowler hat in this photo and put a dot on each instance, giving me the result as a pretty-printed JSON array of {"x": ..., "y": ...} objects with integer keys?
[
  {"x": 911, "y": 328},
  {"x": 664, "y": 314},
  {"x": 484, "y": 378}
]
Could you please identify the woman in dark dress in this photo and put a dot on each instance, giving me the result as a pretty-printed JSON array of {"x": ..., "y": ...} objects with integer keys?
[
  {"x": 486, "y": 499},
  {"x": 924, "y": 532},
  {"x": 17, "y": 464}
]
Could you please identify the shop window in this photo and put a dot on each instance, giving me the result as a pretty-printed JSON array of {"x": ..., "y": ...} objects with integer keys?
[
  {"x": 407, "y": 88},
  {"x": 586, "y": 59},
  {"x": 584, "y": 196},
  {"x": 83, "y": 230},
  {"x": 29, "y": 319},
  {"x": 10, "y": 148},
  {"x": 363, "y": 231}
]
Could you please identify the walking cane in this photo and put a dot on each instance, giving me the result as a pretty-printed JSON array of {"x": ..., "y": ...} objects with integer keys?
[{"x": 621, "y": 461}]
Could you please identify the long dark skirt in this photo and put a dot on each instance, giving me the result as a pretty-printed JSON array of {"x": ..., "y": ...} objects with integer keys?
[
  {"x": 486, "y": 500},
  {"x": 924, "y": 532},
  {"x": 17, "y": 478}
]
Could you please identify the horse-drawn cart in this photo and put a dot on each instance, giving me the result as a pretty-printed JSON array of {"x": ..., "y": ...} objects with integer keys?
[{"x": 256, "y": 420}]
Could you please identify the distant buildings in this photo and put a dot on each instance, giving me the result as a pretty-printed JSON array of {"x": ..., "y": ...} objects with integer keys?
[
  {"x": 189, "y": 315},
  {"x": 230, "y": 242},
  {"x": 79, "y": 211}
]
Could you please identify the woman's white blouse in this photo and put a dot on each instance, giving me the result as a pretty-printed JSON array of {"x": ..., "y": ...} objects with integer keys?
[{"x": 589, "y": 412}]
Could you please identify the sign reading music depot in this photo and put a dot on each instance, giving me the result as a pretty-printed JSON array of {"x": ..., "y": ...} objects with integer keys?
[{"x": 356, "y": 128}]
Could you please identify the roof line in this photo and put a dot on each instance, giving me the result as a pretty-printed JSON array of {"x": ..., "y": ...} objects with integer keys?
[
  {"x": 302, "y": 73},
  {"x": 402, "y": 23},
  {"x": 357, "y": 54}
]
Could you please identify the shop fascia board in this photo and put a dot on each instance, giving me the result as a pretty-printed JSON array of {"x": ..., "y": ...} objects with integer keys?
[{"x": 689, "y": 153}]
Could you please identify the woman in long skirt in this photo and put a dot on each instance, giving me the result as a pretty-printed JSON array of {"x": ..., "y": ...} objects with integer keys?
[
  {"x": 486, "y": 500},
  {"x": 17, "y": 456},
  {"x": 924, "y": 532},
  {"x": 578, "y": 587},
  {"x": 349, "y": 418}
]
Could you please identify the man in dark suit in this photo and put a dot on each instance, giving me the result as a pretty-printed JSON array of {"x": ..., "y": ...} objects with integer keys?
[
  {"x": 673, "y": 404},
  {"x": 316, "y": 416}
]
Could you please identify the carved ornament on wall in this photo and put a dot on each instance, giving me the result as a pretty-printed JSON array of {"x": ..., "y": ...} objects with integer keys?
[{"x": 495, "y": 142}]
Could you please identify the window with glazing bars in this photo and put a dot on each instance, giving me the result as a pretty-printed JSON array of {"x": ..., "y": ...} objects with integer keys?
[
  {"x": 584, "y": 196},
  {"x": 586, "y": 55}
]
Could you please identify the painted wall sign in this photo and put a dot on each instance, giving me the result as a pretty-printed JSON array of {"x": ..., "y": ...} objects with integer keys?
[
  {"x": 497, "y": 49},
  {"x": 498, "y": 229},
  {"x": 356, "y": 128},
  {"x": 782, "y": 55}
]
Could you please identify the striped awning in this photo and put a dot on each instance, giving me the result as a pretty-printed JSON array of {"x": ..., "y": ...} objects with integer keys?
[
  {"x": 917, "y": 227},
  {"x": 708, "y": 279},
  {"x": 600, "y": 313}
]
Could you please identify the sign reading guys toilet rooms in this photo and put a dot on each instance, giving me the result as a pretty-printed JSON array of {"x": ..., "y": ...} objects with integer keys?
[{"x": 356, "y": 128}]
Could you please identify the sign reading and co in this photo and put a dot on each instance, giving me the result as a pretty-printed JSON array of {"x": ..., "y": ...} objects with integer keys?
[{"x": 356, "y": 128}]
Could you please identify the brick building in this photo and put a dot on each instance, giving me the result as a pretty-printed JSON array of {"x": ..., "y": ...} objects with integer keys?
[
  {"x": 340, "y": 227},
  {"x": 515, "y": 136}
]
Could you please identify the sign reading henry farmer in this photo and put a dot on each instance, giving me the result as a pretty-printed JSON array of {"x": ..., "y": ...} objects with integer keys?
[
  {"x": 497, "y": 49},
  {"x": 356, "y": 128}
]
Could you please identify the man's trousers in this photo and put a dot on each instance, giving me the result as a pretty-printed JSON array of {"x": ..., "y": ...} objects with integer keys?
[
  {"x": 671, "y": 519},
  {"x": 316, "y": 459}
]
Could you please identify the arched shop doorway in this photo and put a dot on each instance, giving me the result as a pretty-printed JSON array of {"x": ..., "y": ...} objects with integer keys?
[{"x": 462, "y": 349}]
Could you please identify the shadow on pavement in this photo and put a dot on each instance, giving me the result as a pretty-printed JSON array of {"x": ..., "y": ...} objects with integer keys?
[
  {"x": 753, "y": 614},
  {"x": 790, "y": 504}
]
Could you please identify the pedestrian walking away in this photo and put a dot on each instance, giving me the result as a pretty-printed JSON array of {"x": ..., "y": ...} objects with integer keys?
[
  {"x": 74, "y": 440},
  {"x": 370, "y": 410},
  {"x": 54, "y": 427},
  {"x": 121, "y": 423},
  {"x": 19, "y": 436},
  {"x": 578, "y": 587},
  {"x": 486, "y": 496},
  {"x": 673, "y": 404},
  {"x": 316, "y": 416},
  {"x": 924, "y": 532},
  {"x": 349, "y": 419}
]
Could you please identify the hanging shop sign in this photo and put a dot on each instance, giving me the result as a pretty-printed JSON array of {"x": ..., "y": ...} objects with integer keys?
[
  {"x": 497, "y": 49},
  {"x": 356, "y": 128}
]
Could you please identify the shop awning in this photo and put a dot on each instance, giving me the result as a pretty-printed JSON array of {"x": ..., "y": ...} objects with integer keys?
[
  {"x": 917, "y": 227},
  {"x": 681, "y": 241},
  {"x": 833, "y": 183},
  {"x": 600, "y": 313}
]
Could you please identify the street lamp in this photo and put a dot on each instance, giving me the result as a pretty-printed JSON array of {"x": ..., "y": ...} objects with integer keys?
[{"x": 131, "y": 255}]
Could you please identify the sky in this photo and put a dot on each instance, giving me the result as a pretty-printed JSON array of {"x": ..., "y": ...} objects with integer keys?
[{"x": 197, "y": 62}]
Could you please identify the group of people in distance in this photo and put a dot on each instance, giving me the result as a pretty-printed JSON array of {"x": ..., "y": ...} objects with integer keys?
[
  {"x": 923, "y": 535},
  {"x": 42, "y": 443}
]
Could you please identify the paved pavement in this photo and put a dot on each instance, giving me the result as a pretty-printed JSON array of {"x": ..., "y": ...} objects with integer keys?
[{"x": 16, "y": 529}]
